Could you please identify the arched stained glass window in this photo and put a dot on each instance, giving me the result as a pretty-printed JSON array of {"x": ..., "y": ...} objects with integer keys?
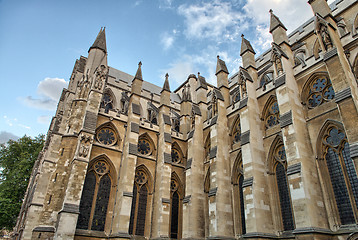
[
  {"x": 95, "y": 197},
  {"x": 272, "y": 115},
  {"x": 283, "y": 190},
  {"x": 174, "y": 216},
  {"x": 342, "y": 174},
  {"x": 139, "y": 204},
  {"x": 318, "y": 90}
]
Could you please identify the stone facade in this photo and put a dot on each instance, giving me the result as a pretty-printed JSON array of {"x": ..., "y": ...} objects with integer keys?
[{"x": 269, "y": 153}]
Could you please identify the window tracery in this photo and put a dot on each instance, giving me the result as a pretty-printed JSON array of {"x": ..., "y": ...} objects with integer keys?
[
  {"x": 342, "y": 173},
  {"x": 175, "y": 207},
  {"x": 265, "y": 79},
  {"x": 279, "y": 162},
  {"x": 236, "y": 131},
  {"x": 318, "y": 91},
  {"x": 139, "y": 203},
  {"x": 95, "y": 197},
  {"x": 144, "y": 147},
  {"x": 107, "y": 102},
  {"x": 272, "y": 113}
]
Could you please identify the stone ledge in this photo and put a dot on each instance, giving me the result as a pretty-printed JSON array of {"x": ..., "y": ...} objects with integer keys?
[
  {"x": 306, "y": 230},
  {"x": 44, "y": 229},
  {"x": 286, "y": 119},
  {"x": 330, "y": 54},
  {"x": 90, "y": 233},
  {"x": 119, "y": 235},
  {"x": 354, "y": 150},
  {"x": 71, "y": 208},
  {"x": 128, "y": 194},
  {"x": 292, "y": 169},
  {"x": 341, "y": 95},
  {"x": 186, "y": 199},
  {"x": 221, "y": 237},
  {"x": 165, "y": 200},
  {"x": 212, "y": 192},
  {"x": 136, "y": 109},
  {"x": 248, "y": 182},
  {"x": 243, "y": 103},
  {"x": 188, "y": 163},
  {"x": 280, "y": 81},
  {"x": 213, "y": 152},
  {"x": 245, "y": 138}
]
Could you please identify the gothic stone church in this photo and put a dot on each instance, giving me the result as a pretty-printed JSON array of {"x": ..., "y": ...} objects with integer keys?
[{"x": 271, "y": 152}]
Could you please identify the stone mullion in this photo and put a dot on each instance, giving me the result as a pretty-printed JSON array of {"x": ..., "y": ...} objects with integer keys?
[
  {"x": 123, "y": 199},
  {"x": 220, "y": 201},
  {"x": 161, "y": 202},
  {"x": 256, "y": 201},
  {"x": 305, "y": 199},
  {"x": 193, "y": 208}
]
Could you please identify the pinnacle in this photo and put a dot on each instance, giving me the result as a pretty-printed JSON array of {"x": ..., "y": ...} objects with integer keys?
[
  {"x": 245, "y": 46},
  {"x": 138, "y": 74},
  {"x": 275, "y": 22},
  {"x": 166, "y": 83},
  {"x": 100, "y": 42},
  {"x": 221, "y": 66}
]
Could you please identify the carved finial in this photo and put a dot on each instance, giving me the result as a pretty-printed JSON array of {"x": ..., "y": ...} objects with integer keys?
[
  {"x": 270, "y": 11},
  {"x": 166, "y": 76},
  {"x": 242, "y": 35},
  {"x": 218, "y": 56},
  {"x": 198, "y": 73},
  {"x": 140, "y": 64}
]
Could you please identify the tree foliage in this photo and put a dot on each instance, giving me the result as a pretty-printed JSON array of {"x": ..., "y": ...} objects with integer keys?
[{"x": 16, "y": 162}]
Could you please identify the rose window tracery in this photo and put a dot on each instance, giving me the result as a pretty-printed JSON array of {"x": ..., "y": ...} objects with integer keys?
[
  {"x": 320, "y": 91},
  {"x": 281, "y": 153},
  {"x": 175, "y": 156},
  {"x": 173, "y": 185},
  {"x": 335, "y": 137},
  {"x": 140, "y": 177},
  {"x": 106, "y": 136},
  {"x": 101, "y": 167},
  {"x": 144, "y": 147},
  {"x": 273, "y": 115}
]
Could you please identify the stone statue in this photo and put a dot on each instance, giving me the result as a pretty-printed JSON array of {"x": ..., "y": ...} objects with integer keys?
[
  {"x": 101, "y": 75},
  {"x": 326, "y": 39},
  {"x": 124, "y": 102}
]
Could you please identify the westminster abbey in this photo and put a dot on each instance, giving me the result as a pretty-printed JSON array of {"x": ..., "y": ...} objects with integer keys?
[{"x": 270, "y": 152}]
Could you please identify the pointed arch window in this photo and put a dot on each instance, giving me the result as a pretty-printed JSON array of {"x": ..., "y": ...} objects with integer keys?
[
  {"x": 342, "y": 173},
  {"x": 236, "y": 131},
  {"x": 271, "y": 113},
  {"x": 107, "y": 102},
  {"x": 176, "y": 154},
  {"x": 280, "y": 168},
  {"x": 95, "y": 197},
  {"x": 238, "y": 180},
  {"x": 265, "y": 79},
  {"x": 145, "y": 145},
  {"x": 318, "y": 90},
  {"x": 175, "y": 208},
  {"x": 139, "y": 204}
]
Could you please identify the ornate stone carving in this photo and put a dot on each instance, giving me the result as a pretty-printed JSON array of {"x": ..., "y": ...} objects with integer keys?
[
  {"x": 85, "y": 143},
  {"x": 124, "y": 102},
  {"x": 326, "y": 38},
  {"x": 101, "y": 75},
  {"x": 242, "y": 83},
  {"x": 84, "y": 85}
]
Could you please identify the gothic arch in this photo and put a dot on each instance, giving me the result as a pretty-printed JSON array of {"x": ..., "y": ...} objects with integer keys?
[
  {"x": 207, "y": 181},
  {"x": 176, "y": 196},
  {"x": 338, "y": 174},
  {"x": 107, "y": 134},
  {"x": 150, "y": 181},
  {"x": 108, "y": 101},
  {"x": 146, "y": 145},
  {"x": 95, "y": 204},
  {"x": 237, "y": 169},
  {"x": 355, "y": 67},
  {"x": 177, "y": 153},
  {"x": 329, "y": 123},
  {"x": 299, "y": 57},
  {"x": 270, "y": 163},
  {"x": 355, "y": 25},
  {"x": 176, "y": 177},
  {"x": 235, "y": 131},
  {"x": 270, "y": 112}
]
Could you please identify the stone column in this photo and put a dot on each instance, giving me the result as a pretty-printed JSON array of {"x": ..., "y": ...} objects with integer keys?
[{"x": 193, "y": 202}]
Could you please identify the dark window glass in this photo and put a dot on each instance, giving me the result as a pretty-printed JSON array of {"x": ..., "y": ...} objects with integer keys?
[
  {"x": 175, "y": 156},
  {"x": 321, "y": 90},
  {"x": 142, "y": 210},
  {"x": 352, "y": 174},
  {"x": 86, "y": 201},
  {"x": 106, "y": 136},
  {"x": 339, "y": 188},
  {"x": 107, "y": 102},
  {"x": 134, "y": 201},
  {"x": 285, "y": 199},
  {"x": 100, "y": 212},
  {"x": 242, "y": 205},
  {"x": 174, "y": 216},
  {"x": 143, "y": 147}
]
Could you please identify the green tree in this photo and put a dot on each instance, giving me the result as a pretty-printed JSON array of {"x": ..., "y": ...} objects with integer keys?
[{"x": 16, "y": 162}]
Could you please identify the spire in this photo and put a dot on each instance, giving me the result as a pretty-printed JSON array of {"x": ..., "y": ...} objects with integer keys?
[
  {"x": 245, "y": 46},
  {"x": 275, "y": 22},
  {"x": 138, "y": 74},
  {"x": 202, "y": 82},
  {"x": 100, "y": 42},
  {"x": 166, "y": 83},
  {"x": 221, "y": 66}
]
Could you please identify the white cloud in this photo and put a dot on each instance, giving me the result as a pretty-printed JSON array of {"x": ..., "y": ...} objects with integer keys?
[
  {"x": 23, "y": 126},
  {"x": 210, "y": 20},
  {"x": 167, "y": 40},
  {"x": 178, "y": 72},
  {"x": 50, "y": 91}
]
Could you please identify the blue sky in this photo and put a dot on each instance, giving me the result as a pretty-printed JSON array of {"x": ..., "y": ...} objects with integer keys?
[{"x": 41, "y": 39}]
